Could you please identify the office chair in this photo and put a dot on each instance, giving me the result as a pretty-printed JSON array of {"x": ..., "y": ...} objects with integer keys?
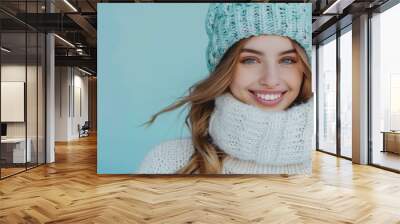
[{"x": 84, "y": 130}]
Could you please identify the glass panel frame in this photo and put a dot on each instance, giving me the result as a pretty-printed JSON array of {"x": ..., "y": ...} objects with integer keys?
[
  {"x": 332, "y": 133},
  {"x": 345, "y": 92},
  {"x": 326, "y": 90},
  {"x": 26, "y": 61},
  {"x": 14, "y": 153}
]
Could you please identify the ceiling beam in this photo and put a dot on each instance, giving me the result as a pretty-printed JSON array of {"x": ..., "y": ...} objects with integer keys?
[
  {"x": 86, "y": 26},
  {"x": 84, "y": 61}
]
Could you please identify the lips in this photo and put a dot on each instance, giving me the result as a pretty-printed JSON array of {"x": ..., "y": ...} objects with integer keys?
[{"x": 268, "y": 98}]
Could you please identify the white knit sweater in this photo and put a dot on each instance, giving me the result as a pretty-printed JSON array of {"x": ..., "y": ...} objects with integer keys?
[{"x": 256, "y": 141}]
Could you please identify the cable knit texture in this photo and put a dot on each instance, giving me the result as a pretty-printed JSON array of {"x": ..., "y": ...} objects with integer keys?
[
  {"x": 256, "y": 141},
  {"x": 227, "y": 23},
  {"x": 167, "y": 157}
]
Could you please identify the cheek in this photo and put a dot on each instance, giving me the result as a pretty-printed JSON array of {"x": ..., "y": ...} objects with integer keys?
[
  {"x": 241, "y": 81},
  {"x": 294, "y": 80}
]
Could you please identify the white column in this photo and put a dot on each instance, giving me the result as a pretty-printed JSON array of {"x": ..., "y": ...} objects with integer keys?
[
  {"x": 50, "y": 100},
  {"x": 360, "y": 90},
  {"x": 50, "y": 92}
]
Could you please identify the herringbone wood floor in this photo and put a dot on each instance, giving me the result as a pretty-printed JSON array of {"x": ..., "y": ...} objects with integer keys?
[{"x": 70, "y": 191}]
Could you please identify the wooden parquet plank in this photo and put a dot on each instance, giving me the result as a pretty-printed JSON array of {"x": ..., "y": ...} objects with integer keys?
[{"x": 70, "y": 191}]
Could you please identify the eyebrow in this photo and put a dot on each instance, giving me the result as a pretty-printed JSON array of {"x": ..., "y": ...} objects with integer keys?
[{"x": 261, "y": 53}]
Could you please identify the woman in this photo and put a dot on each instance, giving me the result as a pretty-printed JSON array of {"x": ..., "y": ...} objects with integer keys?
[{"x": 254, "y": 112}]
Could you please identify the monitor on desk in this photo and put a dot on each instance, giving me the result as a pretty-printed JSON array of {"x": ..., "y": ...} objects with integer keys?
[{"x": 3, "y": 130}]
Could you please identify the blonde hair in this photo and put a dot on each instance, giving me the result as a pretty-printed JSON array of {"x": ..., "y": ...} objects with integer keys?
[{"x": 208, "y": 158}]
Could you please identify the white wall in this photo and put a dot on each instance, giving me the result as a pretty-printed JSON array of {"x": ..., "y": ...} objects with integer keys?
[
  {"x": 62, "y": 81},
  {"x": 70, "y": 84},
  {"x": 79, "y": 117},
  {"x": 11, "y": 73}
]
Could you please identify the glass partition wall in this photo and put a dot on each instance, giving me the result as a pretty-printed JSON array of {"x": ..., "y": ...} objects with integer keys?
[
  {"x": 334, "y": 91},
  {"x": 385, "y": 90},
  {"x": 334, "y": 94},
  {"x": 22, "y": 88},
  {"x": 13, "y": 88}
]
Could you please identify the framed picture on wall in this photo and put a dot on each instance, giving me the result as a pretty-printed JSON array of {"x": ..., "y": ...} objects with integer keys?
[
  {"x": 12, "y": 101},
  {"x": 216, "y": 88}
]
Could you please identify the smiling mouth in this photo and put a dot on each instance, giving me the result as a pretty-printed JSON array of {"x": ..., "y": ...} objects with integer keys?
[{"x": 268, "y": 98}]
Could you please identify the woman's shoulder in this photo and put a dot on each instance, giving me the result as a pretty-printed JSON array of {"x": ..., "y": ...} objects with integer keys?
[{"x": 167, "y": 157}]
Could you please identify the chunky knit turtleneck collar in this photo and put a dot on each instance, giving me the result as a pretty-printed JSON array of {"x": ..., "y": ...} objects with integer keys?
[{"x": 257, "y": 141}]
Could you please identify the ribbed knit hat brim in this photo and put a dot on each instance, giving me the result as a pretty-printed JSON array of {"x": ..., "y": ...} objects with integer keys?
[{"x": 227, "y": 23}]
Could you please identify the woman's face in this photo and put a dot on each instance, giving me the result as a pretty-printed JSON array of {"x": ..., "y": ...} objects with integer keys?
[{"x": 268, "y": 74}]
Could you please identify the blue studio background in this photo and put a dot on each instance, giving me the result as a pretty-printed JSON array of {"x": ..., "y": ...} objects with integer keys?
[{"x": 148, "y": 56}]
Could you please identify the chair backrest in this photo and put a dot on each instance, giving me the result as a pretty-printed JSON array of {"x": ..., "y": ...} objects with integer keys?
[{"x": 86, "y": 125}]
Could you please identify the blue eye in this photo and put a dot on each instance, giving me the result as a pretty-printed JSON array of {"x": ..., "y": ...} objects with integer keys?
[
  {"x": 288, "y": 61},
  {"x": 249, "y": 61}
]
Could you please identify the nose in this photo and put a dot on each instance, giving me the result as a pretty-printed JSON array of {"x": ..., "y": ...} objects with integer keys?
[{"x": 270, "y": 77}]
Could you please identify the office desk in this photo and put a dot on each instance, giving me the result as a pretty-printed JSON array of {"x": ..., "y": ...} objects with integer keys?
[
  {"x": 16, "y": 147},
  {"x": 391, "y": 141}
]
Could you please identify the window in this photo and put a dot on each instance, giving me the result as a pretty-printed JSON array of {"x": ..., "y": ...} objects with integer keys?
[
  {"x": 385, "y": 88},
  {"x": 327, "y": 96},
  {"x": 346, "y": 93}
]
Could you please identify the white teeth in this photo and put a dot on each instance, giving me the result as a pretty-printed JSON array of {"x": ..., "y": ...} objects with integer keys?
[{"x": 268, "y": 96}]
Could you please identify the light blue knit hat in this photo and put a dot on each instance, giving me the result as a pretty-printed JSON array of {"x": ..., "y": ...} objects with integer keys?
[{"x": 227, "y": 23}]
